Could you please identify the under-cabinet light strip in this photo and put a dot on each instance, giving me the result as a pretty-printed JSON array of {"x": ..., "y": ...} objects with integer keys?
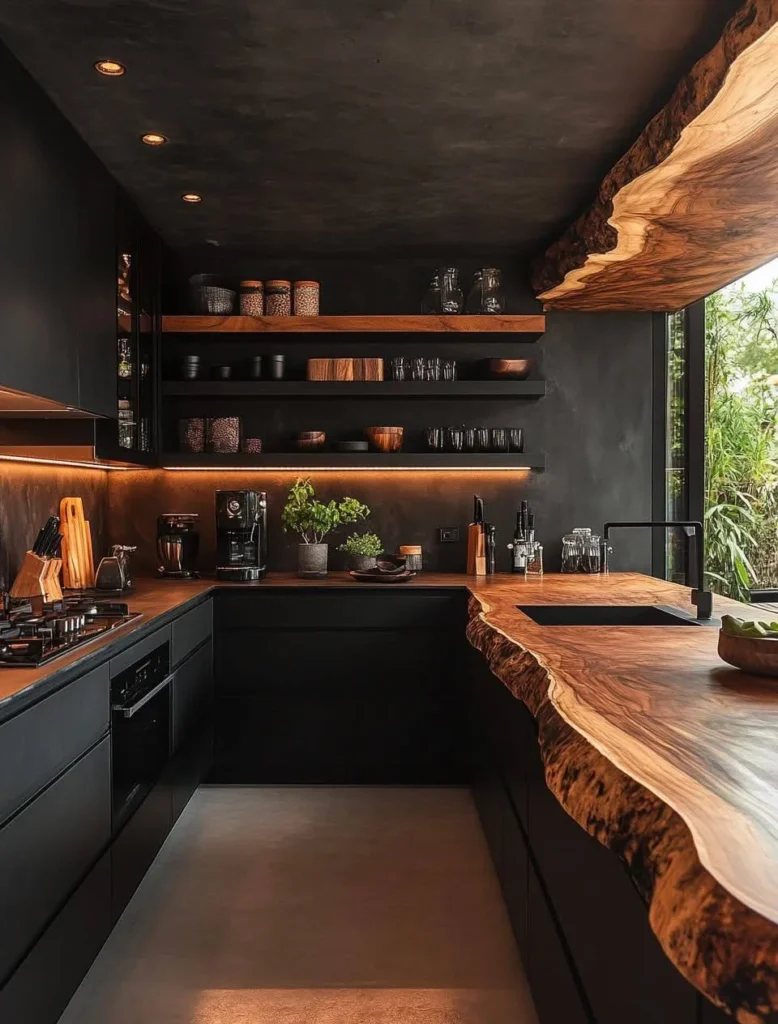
[
  {"x": 347, "y": 469},
  {"x": 36, "y": 460}
]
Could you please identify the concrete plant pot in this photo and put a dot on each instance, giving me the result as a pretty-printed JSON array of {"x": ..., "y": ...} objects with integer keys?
[
  {"x": 361, "y": 563},
  {"x": 312, "y": 560}
]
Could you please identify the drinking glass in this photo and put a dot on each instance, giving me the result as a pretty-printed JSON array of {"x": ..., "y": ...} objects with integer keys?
[
  {"x": 456, "y": 438},
  {"x": 399, "y": 367},
  {"x": 471, "y": 439},
  {"x": 435, "y": 439},
  {"x": 482, "y": 438},
  {"x": 433, "y": 368},
  {"x": 418, "y": 369},
  {"x": 449, "y": 369},
  {"x": 516, "y": 439},
  {"x": 492, "y": 298},
  {"x": 499, "y": 439}
]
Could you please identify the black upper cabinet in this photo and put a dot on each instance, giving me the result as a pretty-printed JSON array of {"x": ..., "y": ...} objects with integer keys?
[{"x": 57, "y": 270}]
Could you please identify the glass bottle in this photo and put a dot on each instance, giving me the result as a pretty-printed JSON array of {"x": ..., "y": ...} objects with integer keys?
[
  {"x": 431, "y": 303},
  {"x": 452, "y": 299},
  {"x": 492, "y": 298},
  {"x": 535, "y": 560}
]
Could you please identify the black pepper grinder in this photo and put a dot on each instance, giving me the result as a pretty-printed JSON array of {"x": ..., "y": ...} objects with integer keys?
[{"x": 491, "y": 544}]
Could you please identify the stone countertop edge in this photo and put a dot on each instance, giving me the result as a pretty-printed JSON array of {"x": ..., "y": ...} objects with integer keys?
[{"x": 726, "y": 950}]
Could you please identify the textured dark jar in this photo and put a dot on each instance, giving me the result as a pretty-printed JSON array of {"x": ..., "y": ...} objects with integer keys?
[{"x": 276, "y": 366}]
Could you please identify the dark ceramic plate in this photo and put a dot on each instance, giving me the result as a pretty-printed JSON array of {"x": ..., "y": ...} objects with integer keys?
[{"x": 381, "y": 577}]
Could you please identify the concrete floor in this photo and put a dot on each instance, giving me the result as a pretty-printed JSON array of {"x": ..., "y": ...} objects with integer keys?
[{"x": 314, "y": 906}]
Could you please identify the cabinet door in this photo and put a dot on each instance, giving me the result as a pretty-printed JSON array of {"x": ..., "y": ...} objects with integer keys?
[
  {"x": 48, "y": 847},
  {"x": 41, "y": 987},
  {"x": 556, "y": 991},
  {"x": 56, "y": 249},
  {"x": 623, "y": 968},
  {"x": 43, "y": 740},
  {"x": 192, "y": 693},
  {"x": 138, "y": 843}
]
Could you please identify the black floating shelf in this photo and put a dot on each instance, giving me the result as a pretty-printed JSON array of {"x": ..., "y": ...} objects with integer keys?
[
  {"x": 466, "y": 347},
  {"x": 356, "y": 389},
  {"x": 476, "y": 461}
]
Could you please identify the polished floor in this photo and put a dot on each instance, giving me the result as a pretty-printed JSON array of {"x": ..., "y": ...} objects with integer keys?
[{"x": 314, "y": 906}]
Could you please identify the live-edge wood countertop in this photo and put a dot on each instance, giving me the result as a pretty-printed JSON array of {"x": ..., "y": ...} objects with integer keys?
[{"x": 650, "y": 742}]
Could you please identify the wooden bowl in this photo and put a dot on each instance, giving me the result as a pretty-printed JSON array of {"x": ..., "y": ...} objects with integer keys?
[
  {"x": 385, "y": 439},
  {"x": 750, "y": 655},
  {"x": 309, "y": 440},
  {"x": 509, "y": 369}
]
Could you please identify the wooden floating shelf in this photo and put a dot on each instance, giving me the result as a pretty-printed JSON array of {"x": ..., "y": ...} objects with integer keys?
[
  {"x": 376, "y": 461},
  {"x": 464, "y": 324},
  {"x": 355, "y": 389}
]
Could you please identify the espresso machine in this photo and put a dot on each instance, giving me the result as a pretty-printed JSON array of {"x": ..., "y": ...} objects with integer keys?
[
  {"x": 178, "y": 543},
  {"x": 241, "y": 535}
]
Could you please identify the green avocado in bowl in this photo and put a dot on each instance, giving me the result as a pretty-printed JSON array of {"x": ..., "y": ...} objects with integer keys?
[{"x": 750, "y": 646}]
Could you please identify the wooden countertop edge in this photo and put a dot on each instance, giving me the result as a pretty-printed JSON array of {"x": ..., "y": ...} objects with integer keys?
[{"x": 689, "y": 911}]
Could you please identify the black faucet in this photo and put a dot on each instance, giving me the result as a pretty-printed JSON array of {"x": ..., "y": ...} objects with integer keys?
[{"x": 702, "y": 598}]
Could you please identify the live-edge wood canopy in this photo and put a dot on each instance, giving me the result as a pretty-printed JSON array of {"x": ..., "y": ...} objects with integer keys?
[{"x": 693, "y": 204}]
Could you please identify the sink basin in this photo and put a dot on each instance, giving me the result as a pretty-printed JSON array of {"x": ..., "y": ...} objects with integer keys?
[{"x": 609, "y": 615}]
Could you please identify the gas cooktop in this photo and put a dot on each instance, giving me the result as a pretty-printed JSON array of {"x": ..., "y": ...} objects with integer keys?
[{"x": 28, "y": 640}]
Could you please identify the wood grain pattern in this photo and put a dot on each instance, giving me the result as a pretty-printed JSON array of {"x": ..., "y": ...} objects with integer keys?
[
  {"x": 691, "y": 206},
  {"x": 345, "y": 369},
  {"x": 654, "y": 746},
  {"x": 533, "y": 324}
]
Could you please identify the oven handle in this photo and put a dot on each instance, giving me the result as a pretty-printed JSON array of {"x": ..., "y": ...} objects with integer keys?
[{"x": 128, "y": 712}]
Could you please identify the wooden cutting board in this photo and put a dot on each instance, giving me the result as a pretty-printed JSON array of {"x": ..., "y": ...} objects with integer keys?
[{"x": 77, "y": 563}]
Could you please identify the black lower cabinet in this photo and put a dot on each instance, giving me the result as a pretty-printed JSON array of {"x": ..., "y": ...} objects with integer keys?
[
  {"x": 321, "y": 686},
  {"x": 583, "y": 930},
  {"x": 41, "y": 987}
]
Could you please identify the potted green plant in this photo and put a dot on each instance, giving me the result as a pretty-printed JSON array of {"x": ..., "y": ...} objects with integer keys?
[
  {"x": 313, "y": 520},
  {"x": 362, "y": 549}
]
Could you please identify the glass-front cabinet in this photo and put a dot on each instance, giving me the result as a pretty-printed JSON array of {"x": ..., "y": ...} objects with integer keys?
[{"x": 130, "y": 437}]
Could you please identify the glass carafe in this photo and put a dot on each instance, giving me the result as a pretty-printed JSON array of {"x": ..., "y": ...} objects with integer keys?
[{"x": 452, "y": 299}]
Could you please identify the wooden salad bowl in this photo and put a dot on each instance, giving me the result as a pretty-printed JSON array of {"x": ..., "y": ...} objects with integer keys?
[
  {"x": 759, "y": 656},
  {"x": 385, "y": 439}
]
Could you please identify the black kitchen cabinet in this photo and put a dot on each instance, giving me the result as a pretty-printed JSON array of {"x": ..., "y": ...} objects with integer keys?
[
  {"x": 588, "y": 948},
  {"x": 57, "y": 271},
  {"x": 41, "y": 987},
  {"x": 323, "y": 687},
  {"x": 138, "y": 843},
  {"x": 48, "y": 847},
  {"x": 192, "y": 694}
]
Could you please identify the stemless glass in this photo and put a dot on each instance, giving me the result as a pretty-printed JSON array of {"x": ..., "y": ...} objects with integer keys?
[
  {"x": 471, "y": 439},
  {"x": 399, "y": 367},
  {"x": 499, "y": 439},
  {"x": 482, "y": 438},
  {"x": 449, "y": 369},
  {"x": 433, "y": 368},
  {"x": 435, "y": 439},
  {"x": 516, "y": 439},
  {"x": 418, "y": 369},
  {"x": 456, "y": 438}
]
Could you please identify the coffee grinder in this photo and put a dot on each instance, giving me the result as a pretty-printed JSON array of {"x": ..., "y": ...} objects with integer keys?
[{"x": 241, "y": 535}]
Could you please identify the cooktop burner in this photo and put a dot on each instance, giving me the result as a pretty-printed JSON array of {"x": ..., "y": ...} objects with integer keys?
[{"x": 28, "y": 640}]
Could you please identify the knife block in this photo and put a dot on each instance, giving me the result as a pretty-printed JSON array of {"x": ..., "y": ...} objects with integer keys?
[{"x": 38, "y": 577}]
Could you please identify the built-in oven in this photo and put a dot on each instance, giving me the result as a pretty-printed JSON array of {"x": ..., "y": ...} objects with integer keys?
[{"x": 140, "y": 725}]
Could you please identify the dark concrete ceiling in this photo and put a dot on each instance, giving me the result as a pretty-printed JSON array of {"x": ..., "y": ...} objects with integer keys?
[{"x": 363, "y": 125}]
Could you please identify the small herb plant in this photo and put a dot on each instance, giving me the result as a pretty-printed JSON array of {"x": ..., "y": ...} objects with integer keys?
[
  {"x": 367, "y": 544},
  {"x": 312, "y": 519}
]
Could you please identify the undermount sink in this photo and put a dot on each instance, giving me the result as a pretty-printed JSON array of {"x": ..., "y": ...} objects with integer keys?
[{"x": 609, "y": 615}]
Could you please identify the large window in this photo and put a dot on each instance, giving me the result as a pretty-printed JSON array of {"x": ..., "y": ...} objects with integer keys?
[{"x": 676, "y": 447}]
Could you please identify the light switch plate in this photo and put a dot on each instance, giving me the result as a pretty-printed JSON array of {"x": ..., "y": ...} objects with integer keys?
[{"x": 448, "y": 534}]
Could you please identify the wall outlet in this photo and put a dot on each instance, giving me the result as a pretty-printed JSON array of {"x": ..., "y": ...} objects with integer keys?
[{"x": 448, "y": 534}]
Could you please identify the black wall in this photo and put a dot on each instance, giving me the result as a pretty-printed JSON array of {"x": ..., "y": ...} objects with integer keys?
[{"x": 594, "y": 424}]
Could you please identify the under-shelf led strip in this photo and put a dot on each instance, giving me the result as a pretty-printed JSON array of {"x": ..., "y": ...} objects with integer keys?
[
  {"x": 347, "y": 469},
  {"x": 39, "y": 461}
]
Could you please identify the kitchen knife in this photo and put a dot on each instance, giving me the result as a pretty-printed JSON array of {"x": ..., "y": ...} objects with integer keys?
[
  {"x": 38, "y": 539},
  {"x": 49, "y": 536}
]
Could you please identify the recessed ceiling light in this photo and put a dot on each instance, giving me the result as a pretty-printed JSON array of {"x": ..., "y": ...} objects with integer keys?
[
  {"x": 191, "y": 197},
  {"x": 153, "y": 139},
  {"x": 112, "y": 68}
]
